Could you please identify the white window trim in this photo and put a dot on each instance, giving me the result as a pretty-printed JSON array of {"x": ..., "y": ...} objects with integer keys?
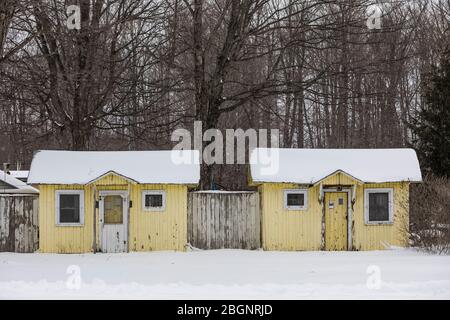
[
  {"x": 390, "y": 192},
  {"x": 69, "y": 224},
  {"x": 161, "y": 192},
  {"x": 297, "y": 191}
]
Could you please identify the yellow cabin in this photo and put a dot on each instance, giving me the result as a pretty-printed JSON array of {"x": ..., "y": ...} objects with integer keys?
[
  {"x": 117, "y": 201},
  {"x": 334, "y": 199}
]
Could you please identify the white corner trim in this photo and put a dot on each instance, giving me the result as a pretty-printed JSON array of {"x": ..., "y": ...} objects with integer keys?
[
  {"x": 390, "y": 192},
  {"x": 296, "y": 191},
  {"x": 57, "y": 206},
  {"x": 159, "y": 192}
]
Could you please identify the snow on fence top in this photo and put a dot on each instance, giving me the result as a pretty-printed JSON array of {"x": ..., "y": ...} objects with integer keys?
[
  {"x": 309, "y": 166},
  {"x": 17, "y": 186},
  {"x": 83, "y": 167}
]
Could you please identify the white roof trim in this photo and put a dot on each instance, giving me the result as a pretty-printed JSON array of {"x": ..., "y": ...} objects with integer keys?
[
  {"x": 109, "y": 173},
  {"x": 336, "y": 172},
  {"x": 17, "y": 185}
]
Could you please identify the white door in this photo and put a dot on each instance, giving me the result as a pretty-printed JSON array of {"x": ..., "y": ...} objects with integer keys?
[{"x": 113, "y": 221}]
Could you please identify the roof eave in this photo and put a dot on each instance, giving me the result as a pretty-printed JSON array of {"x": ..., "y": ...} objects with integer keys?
[
  {"x": 109, "y": 173},
  {"x": 317, "y": 182}
]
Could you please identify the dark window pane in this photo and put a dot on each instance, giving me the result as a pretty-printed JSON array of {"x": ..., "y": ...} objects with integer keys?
[
  {"x": 295, "y": 199},
  {"x": 69, "y": 208},
  {"x": 379, "y": 206},
  {"x": 153, "y": 200}
]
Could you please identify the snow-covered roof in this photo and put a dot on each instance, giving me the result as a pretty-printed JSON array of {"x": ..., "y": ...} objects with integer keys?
[
  {"x": 83, "y": 167},
  {"x": 309, "y": 166},
  {"x": 14, "y": 185},
  {"x": 19, "y": 174}
]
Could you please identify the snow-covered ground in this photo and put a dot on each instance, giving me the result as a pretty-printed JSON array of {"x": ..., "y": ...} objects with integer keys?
[{"x": 227, "y": 274}]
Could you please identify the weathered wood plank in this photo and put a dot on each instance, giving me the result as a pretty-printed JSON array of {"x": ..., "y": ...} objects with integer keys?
[
  {"x": 224, "y": 220},
  {"x": 19, "y": 223}
]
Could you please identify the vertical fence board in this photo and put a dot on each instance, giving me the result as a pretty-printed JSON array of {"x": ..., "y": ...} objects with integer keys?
[
  {"x": 19, "y": 229},
  {"x": 219, "y": 220}
]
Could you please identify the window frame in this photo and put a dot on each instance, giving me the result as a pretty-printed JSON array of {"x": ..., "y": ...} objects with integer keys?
[
  {"x": 390, "y": 192},
  {"x": 295, "y": 191},
  {"x": 57, "y": 208},
  {"x": 157, "y": 192}
]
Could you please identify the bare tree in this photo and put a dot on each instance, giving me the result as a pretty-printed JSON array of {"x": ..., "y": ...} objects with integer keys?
[
  {"x": 138, "y": 69},
  {"x": 8, "y": 47},
  {"x": 82, "y": 77}
]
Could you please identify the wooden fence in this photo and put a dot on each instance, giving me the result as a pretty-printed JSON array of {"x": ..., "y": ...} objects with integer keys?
[
  {"x": 219, "y": 220},
  {"x": 19, "y": 229}
]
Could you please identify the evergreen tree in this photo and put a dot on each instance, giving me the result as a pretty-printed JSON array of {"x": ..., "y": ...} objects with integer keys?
[{"x": 432, "y": 126}]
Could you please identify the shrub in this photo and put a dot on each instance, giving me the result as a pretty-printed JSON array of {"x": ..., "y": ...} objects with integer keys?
[{"x": 430, "y": 214}]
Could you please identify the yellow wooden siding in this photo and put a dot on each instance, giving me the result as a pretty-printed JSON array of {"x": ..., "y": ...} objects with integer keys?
[
  {"x": 339, "y": 179},
  {"x": 284, "y": 229},
  {"x": 148, "y": 230},
  {"x": 111, "y": 180},
  {"x": 376, "y": 237},
  {"x": 159, "y": 230},
  {"x": 302, "y": 230},
  {"x": 52, "y": 238}
]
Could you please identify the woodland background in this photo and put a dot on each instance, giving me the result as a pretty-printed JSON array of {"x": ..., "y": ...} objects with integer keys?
[{"x": 138, "y": 69}]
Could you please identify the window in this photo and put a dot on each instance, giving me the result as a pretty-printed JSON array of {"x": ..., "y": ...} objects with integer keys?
[
  {"x": 378, "y": 206},
  {"x": 153, "y": 200},
  {"x": 69, "y": 207},
  {"x": 295, "y": 199},
  {"x": 113, "y": 209}
]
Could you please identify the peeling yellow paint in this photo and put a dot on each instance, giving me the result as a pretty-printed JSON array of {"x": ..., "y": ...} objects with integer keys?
[
  {"x": 284, "y": 229},
  {"x": 148, "y": 230},
  {"x": 335, "y": 220}
]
